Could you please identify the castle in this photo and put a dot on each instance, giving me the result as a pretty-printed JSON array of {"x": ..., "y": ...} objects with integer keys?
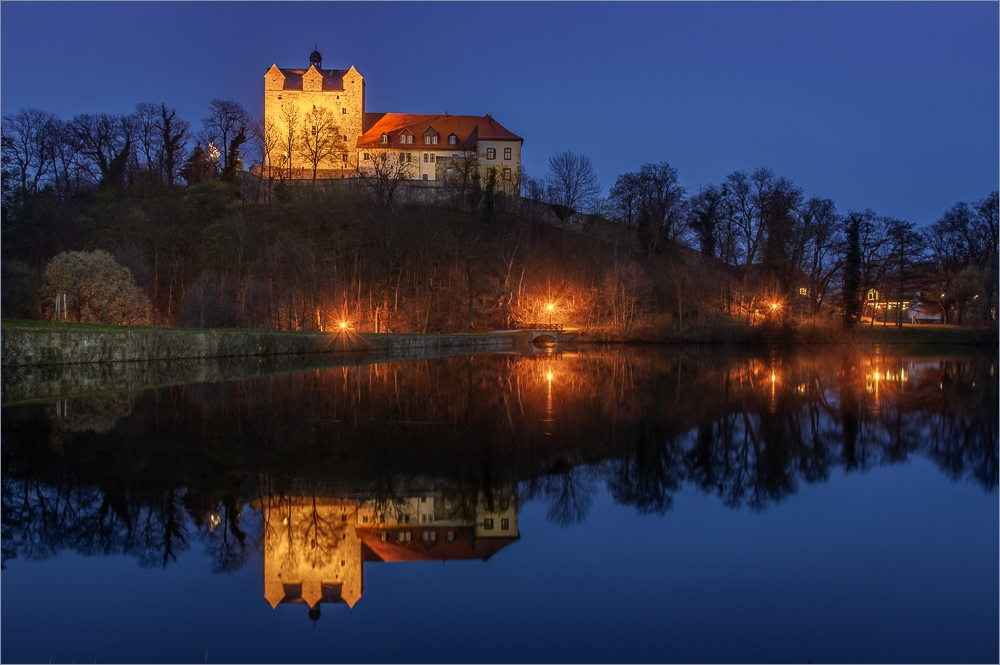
[
  {"x": 314, "y": 547},
  {"x": 316, "y": 126}
]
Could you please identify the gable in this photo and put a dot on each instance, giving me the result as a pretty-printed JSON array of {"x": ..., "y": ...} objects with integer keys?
[{"x": 274, "y": 79}]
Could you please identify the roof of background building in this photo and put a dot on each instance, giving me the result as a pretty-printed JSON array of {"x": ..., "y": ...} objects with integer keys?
[
  {"x": 468, "y": 129},
  {"x": 333, "y": 79}
]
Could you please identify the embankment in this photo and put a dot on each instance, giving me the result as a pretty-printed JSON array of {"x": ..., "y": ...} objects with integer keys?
[{"x": 37, "y": 343}]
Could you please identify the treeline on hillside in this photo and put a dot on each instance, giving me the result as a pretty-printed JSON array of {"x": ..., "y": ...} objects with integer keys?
[{"x": 208, "y": 244}]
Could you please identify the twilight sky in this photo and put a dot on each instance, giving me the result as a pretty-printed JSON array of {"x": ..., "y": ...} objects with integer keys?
[{"x": 892, "y": 106}]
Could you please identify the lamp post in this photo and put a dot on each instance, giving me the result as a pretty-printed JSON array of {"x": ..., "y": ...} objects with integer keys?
[{"x": 550, "y": 307}]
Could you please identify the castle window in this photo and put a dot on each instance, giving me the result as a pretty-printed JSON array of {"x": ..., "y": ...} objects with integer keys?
[
  {"x": 504, "y": 524},
  {"x": 803, "y": 291},
  {"x": 432, "y": 159},
  {"x": 344, "y": 157},
  {"x": 452, "y": 139},
  {"x": 424, "y": 177},
  {"x": 491, "y": 153},
  {"x": 425, "y": 158},
  {"x": 343, "y": 111},
  {"x": 506, "y": 174},
  {"x": 434, "y": 140},
  {"x": 506, "y": 153},
  {"x": 427, "y": 140},
  {"x": 488, "y": 524},
  {"x": 364, "y": 156},
  {"x": 385, "y": 137},
  {"x": 345, "y": 137}
]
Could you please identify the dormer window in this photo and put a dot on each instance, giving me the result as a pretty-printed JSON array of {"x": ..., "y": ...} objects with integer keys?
[
  {"x": 384, "y": 138},
  {"x": 431, "y": 136},
  {"x": 452, "y": 139},
  {"x": 405, "y": 136}
]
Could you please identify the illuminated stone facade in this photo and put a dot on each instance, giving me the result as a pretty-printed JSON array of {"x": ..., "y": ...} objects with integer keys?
[
  {"x": 424, "y": 147},
  {"x": 314, "y": 547}
]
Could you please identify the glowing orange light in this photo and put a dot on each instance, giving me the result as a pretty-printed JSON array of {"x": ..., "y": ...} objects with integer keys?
[
  {"x": 550, "y": 307},
  {"x": 343, "y": 325},
  {"x": 549, "y": 376},
  {"x": 774, "y": 306}
]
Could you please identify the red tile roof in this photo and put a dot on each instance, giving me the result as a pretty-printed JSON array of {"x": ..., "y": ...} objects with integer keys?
[
  {"x": 465, "y": 546},
  {"x": 468, "y": 128},
  {"x": 333, "y": 79}
]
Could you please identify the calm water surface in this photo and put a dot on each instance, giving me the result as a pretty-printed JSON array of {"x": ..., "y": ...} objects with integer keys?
[{"x": 606, "y": 504}]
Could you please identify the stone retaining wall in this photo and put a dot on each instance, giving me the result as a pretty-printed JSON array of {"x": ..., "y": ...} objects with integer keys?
[{"x": 21, "y": 347}]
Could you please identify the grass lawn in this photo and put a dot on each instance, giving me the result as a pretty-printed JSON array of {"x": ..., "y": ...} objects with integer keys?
[{"x": 931, "y": 333}]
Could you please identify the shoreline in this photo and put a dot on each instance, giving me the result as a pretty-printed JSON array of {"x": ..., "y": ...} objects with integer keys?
[{"x": 29, "y": 343}]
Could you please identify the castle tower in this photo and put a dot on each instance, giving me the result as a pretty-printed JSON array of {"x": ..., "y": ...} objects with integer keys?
[{"x": 291, "y": 95}]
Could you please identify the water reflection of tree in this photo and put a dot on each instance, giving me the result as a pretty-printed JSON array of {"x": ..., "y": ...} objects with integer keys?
[{"x": 182, "y": 464}]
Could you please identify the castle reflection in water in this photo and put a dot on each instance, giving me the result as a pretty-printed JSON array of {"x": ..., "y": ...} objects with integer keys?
[
  {"x": 315, "y": 548},
  {"x": 324, "y": 469}
]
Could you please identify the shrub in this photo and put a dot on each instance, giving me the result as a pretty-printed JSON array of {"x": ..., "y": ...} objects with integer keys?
[{"x": 98, "y": 289}]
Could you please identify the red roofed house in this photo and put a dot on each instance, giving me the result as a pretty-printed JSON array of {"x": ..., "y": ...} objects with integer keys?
[{"x": 316, "y": 126}]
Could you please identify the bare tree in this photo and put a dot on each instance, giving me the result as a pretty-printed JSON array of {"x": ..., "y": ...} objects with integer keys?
[
  {"x": 173, "y": 138},
  {"x": 29, "y": 138},
  {"x": 320, "y": 138},
  {"x": 266, "y": 143},
  {"x": 148, "y": 139},
  {"x": 662, "y": 205},
  {"x": 226, "y": 120},
  {"x": 289, "y": 135},
  {"x": 383, "y": 170},
  {"x": 762, "y": 209},
  {"x": 105, "y": 140},
  {"x": 823, "y": 253},
  {"x": 571, "y": 185},
  {"x": 706, "y": 213},
  {"x": 626, "y": 199}
]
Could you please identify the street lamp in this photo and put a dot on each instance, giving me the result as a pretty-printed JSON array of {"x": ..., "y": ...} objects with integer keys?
[{"x": 550, "y": 307}]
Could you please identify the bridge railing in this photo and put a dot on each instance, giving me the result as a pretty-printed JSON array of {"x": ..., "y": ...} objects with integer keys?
[{"x": 557, "y": 327}]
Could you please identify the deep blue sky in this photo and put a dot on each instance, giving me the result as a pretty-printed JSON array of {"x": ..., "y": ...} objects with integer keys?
[{"x": 892, "y": 106}]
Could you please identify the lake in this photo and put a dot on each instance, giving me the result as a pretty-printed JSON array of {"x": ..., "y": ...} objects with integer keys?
[{"x": 593, "y": 504}]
